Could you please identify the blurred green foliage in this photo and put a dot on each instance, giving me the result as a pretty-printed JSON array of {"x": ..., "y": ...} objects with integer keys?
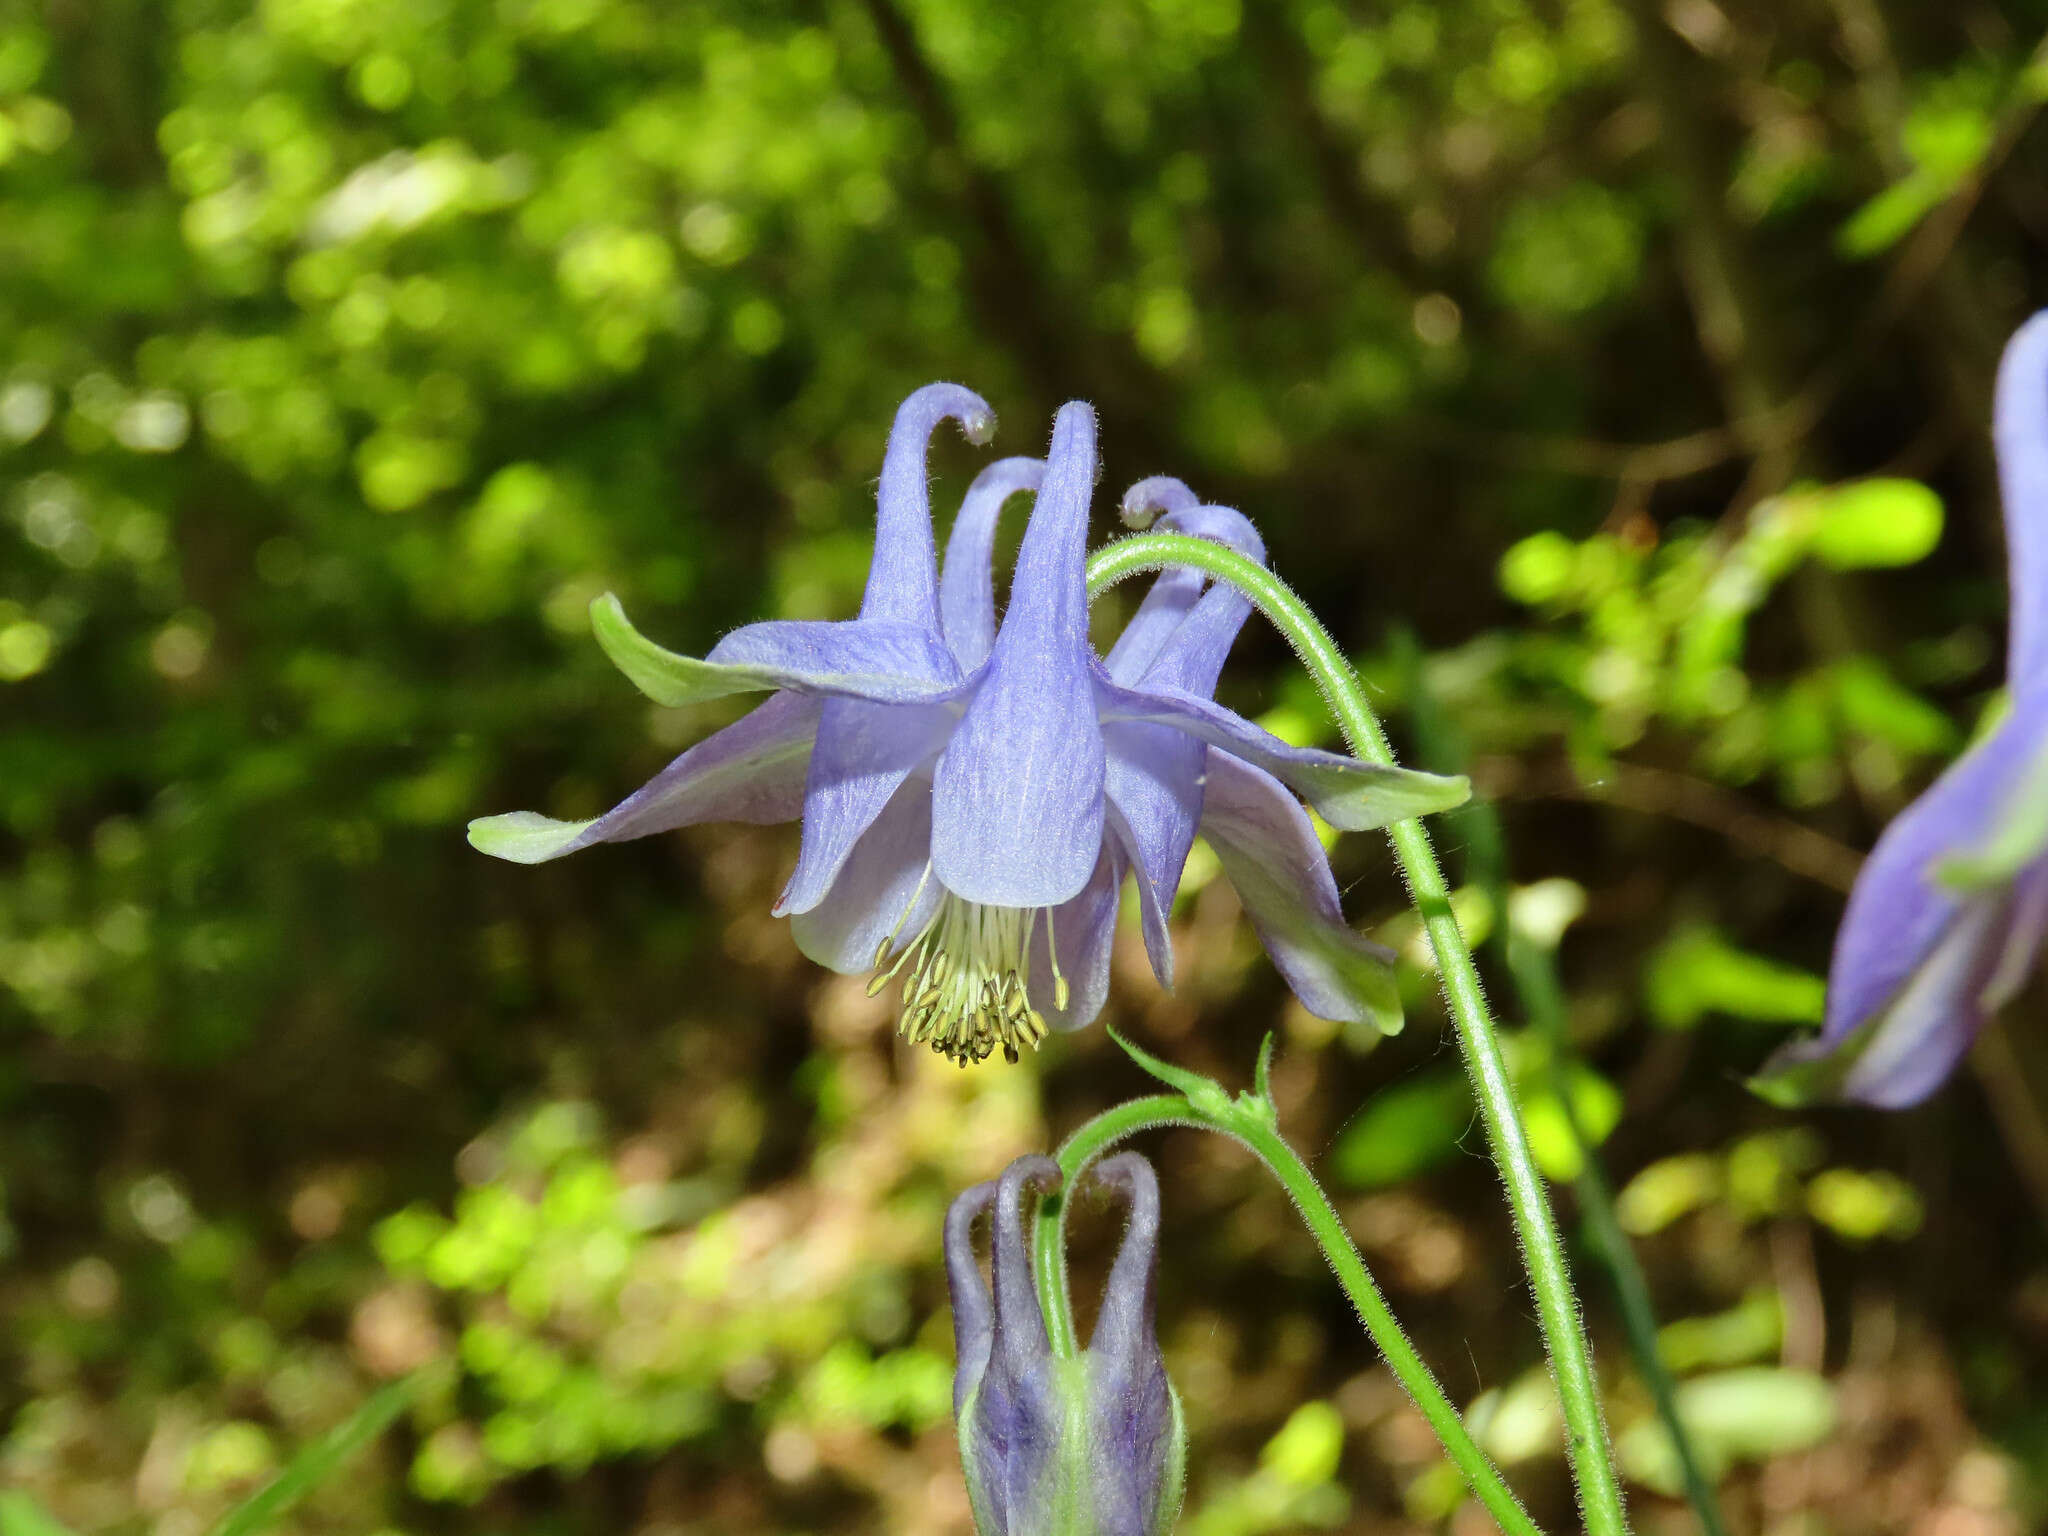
[
  {"x": 1294, "y": 1485},
  {"x": 1636, "y": 356},
  {"x": 1656, "y": 635},
  {"x": 1698, "y": 973},
  {"x": 1751, "y": 1414}
]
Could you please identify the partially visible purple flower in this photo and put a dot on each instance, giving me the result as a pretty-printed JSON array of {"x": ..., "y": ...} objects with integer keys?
[
  {"x": 1088, "y": 1446},
  {"x": 973, "y": 793},
  {"x": 1947, "y": 917}
]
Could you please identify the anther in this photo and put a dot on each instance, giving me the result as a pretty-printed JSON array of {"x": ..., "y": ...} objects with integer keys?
[{"x": 963, "y": 987}]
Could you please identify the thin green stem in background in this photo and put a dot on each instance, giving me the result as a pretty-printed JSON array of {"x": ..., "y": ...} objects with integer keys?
[
  {"x": 1557, "y": 1308},
  {"x": 1250, "y": 1122},
  {"x": 319, "y": 1461},
  {"x": 1532, "y": 968},
  {"x": 1535, "y": 977}
]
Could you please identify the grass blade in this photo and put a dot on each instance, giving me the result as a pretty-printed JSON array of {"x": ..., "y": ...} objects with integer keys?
[{"x": 316, "y": 1463}]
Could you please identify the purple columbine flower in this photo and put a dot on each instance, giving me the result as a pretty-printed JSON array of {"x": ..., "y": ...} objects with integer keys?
[
  {"x": 973, "y": 794},
  {"x": 1093, "y": 1445},
  {"x": 1947, "y": 916}
]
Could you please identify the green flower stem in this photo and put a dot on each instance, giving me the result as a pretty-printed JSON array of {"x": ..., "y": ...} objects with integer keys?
[
  {"x": 1531, "y": 966},
  {"x": 1535, "y": 977},
  {"x": 1557, "y": 1307},
  {"x": 1048, "y": 1251},
  {"x": 1249, "y": 1121}
]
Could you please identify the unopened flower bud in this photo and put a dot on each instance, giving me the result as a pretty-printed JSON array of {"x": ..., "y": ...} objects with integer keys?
[{"x": 1087, "y": 1445}]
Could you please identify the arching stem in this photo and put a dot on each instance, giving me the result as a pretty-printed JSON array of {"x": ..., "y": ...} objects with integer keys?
[
  {"x": 1249, "y": 1121},
  {"x": 1557, "y": 1306}
]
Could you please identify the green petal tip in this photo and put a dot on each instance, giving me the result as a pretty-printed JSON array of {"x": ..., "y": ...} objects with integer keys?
[
  {"x": 1453, "y": 790},
  {"x": 662, "y": 675},
  {"x": 524, "y": 837},
  {"x": 1384, "y": 795}
]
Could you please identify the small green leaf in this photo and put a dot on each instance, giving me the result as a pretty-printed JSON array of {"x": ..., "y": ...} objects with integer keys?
[
  {"x": 1877, "y": 522},
  {"x": 1309, "y": 1447},
  {"x": 1205, "y": 1095},
  {"x": 1752, "y": 1329},
  {"x": 1404, "y": 1130},
  {"x": 1539, "y": 569},
  {"x": 1890, "y": 216},
  {"x": 1520, "y": 1421},
  {"x": 1667, "y": 1189},
  {"x": 523, "y": 837},
  {"x": 1861, "y": 1206},
  {"x": 1874, "y": 704},
  {"x": 1542, "y": 911},
  {"x": 1748, "y": 1414},
  {"x": 1262, "y": 1075},
  {"x": 1697, "y": 972},
  {"x": 1764, "y": 1170},
  {"x": 1948, "y": 133},
  {"x": 1554, "y": 1136}
]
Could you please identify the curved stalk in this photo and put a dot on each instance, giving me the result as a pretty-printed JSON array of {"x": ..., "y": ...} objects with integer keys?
[
  {"x": 1048, "y": 1248},
  {"x": 1531, "y": 968},
  {"x": 1248, "y": 1125},
  {"x": 1557, "y": 1307}
]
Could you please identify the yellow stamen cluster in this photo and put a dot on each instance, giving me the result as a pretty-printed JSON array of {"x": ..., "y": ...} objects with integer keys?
[{"x": 964, "y": 989}]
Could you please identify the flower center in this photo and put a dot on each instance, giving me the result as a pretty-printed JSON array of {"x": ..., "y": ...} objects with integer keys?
[{"x": 964, "y": 988}]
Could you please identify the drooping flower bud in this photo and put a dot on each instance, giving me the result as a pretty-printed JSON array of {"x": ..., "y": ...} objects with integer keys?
[{"x": 1088, "y": 1445}]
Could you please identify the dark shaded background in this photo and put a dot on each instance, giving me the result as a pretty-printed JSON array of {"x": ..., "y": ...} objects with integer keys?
[{"x": 354, "y": 345}]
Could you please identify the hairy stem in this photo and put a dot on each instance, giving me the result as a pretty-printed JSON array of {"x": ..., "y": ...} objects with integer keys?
[
  {"x": 1048, "y": 1249},
  {"x": 1535, "y": 977},
  {"x": 1531, "y": 967},
  {"x": 1256, "y": 1132},
  {"x": 1557, "y": 1307}
]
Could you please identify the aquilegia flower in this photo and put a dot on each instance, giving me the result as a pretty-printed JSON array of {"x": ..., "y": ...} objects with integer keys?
[
  {"x": 1088, "y": 1446},
  {"x": 973, "y": 794},
  {"x": 1947, "y": 917}
]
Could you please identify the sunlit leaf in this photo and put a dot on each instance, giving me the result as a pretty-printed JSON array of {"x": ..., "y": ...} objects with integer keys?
[
  {"x": 1875, "y": 704},
  {"x": 1520, "y": 1421},
  {"x": 1307, "y": 1449},
  {"x": 1733, "y": 1416},
  {"x": 1750, "y": 1330},
  {"x": 1697, "y": 973},
  {"x": 1861, "y": 1206},
  {"x": 1878, "y": 522},
  {"x": 1566, "y": 253},
  {"x": 1555, "y": 1137},
  {"x": 1404, "y": 1130},
  {"x": 1667, "y": 1189},
  {"x": 1890, "y": 216},
  {"x": 1538, "y": 569}
]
